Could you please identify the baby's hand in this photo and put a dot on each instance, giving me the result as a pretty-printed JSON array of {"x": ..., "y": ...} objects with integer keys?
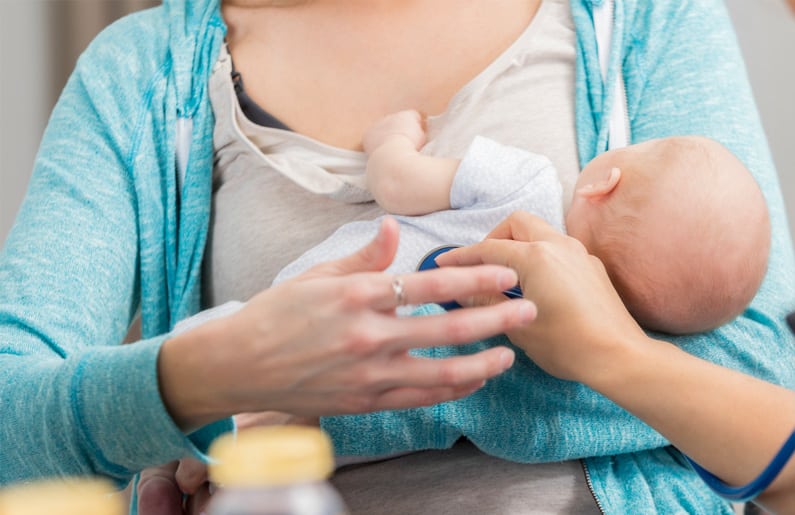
[{"x": 408, "y": 124}]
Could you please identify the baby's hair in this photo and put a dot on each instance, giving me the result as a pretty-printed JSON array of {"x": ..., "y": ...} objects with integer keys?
[{"x": 701, "y": 265}]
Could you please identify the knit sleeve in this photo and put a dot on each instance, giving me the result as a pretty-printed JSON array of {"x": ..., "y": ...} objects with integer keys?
[{"x": 73, "y": 399}]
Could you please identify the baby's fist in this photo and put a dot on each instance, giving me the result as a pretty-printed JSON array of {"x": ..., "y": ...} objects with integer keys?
[{"x": 409, "y": 124}]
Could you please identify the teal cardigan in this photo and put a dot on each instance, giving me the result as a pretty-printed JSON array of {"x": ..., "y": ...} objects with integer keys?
[{"x": 115, "y": 221}]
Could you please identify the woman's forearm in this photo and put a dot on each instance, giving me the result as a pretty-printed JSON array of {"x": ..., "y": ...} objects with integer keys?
[{"x": 730, "y": 423}]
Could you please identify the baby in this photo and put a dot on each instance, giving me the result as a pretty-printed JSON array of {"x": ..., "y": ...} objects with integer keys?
[{"x": 679, "y": 223}]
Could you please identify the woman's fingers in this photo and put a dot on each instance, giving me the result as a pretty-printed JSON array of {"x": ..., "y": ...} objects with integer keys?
[
  {"x": 158, "y": 492},
  {"x": 272, "y": 418},
  {"x": 492, "y": 251},
  {"x": 498, "y": 247},
  {"x": 437, "y": 286},
  {"x": 518, "y": 239},
  {"x": 190, "y": 475},
  {"x": 455, "y": 327},
  {"x": 411, "y": 381},
  {"x": 383, "y": 292},
  {"x": 523, "y": 226},
  {"x": 453, "y": 372},
  {"x": 196, "y": 504}
]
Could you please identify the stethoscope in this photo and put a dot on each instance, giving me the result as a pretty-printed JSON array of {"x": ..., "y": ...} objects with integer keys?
[{"x": 428, "y": 262}]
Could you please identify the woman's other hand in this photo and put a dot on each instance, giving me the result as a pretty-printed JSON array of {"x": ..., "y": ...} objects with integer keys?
[
  {"x": 160, "y": 489},
  {"x": 581, "y": 318},
  {"x": 182, "y": 487},
  {"x": 329, "y": 342}
]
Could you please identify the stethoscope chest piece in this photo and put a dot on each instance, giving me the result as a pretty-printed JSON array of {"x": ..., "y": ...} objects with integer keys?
[{"x": 428, "y": 262}]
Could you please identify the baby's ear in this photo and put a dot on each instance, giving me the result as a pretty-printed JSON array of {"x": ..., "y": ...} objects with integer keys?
[{"x": 602, "y": 184}]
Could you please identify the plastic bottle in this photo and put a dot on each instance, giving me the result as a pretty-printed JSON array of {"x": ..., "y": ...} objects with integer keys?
[
  {"x": 274, "y": 470},
  {"x": 62, "y": 497}
]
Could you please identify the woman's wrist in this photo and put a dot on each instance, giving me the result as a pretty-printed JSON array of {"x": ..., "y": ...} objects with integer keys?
[
  {"x": 622, "y": 362},
  {"x": 185, "y": 375}
]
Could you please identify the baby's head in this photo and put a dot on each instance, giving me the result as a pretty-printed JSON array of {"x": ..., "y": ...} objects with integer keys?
[{"x": 681, "y": 226}]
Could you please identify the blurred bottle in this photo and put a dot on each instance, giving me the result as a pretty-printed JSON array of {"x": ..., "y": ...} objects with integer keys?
[
  {"x": 62, "y": 497},
  {"x": 274, "y": 470}
]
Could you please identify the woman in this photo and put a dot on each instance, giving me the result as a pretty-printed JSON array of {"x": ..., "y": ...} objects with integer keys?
[{"x": 153, "y": 107}]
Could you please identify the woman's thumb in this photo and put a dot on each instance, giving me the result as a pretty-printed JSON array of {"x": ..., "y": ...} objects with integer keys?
[{"x": 373, "y": 257}]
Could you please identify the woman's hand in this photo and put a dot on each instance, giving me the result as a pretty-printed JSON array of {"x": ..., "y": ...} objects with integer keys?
[
  {"x": 160, "y": 489},
  {"x": 328, "y": 342},
  {"x": 581, "y": 319}
]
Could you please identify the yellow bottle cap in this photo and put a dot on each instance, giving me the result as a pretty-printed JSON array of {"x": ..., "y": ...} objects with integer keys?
[
  {"x": 62, "y": 497},
  {"x": 272, "y": 455}
]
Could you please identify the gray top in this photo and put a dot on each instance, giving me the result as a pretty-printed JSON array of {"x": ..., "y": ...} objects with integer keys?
[{"x": 463, "y": 481}]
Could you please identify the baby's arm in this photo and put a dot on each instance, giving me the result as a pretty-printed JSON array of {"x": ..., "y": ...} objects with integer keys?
[{"x": 403, "y": 181}]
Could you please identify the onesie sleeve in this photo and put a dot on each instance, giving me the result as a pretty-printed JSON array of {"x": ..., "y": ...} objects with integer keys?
[{"x": 491, "y": 174}]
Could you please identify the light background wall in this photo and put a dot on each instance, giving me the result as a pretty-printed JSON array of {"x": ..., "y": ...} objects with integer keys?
[
  {"x": 40, "y": 39},
  {"x": 24, "y": 97}
]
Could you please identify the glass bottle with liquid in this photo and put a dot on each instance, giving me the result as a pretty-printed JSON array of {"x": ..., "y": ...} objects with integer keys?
[
  {"x": 79, "y": 496},
  {"x": 274, "y": 470}
]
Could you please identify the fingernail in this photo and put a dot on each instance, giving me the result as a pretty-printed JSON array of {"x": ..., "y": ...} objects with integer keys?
[
  {"x": 527, "y": 310},
  {"x": 506, "y": 359},
  {"x": 441, "y": 257},
  {"x": 507, "y": 279}
]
